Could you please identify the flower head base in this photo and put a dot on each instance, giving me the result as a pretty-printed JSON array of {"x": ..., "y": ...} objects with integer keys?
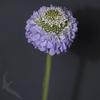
[{"x": 51, "y": 29}]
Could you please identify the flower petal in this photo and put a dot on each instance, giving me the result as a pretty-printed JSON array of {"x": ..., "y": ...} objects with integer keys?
[
  {"x": 35, "y": 37},
  {"x": 43, "y": 43},
  {"x": 49, "y": 44},
  {"x": 52, "y": 51}
]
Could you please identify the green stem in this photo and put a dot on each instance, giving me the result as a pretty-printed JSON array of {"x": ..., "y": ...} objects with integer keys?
[{"x": 47, "y": 76}]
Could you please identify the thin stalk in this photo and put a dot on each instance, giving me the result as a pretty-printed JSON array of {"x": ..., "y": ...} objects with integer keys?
[{"x": 47, "y": 77}]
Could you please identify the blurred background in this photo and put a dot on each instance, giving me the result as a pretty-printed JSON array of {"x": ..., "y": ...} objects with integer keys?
[{"x": 75, "y": 75}]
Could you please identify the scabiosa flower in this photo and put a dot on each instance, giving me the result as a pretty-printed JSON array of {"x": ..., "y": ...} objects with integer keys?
[{"x": 51, "y": 29}]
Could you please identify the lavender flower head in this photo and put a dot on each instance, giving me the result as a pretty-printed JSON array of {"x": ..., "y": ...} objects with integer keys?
[{"x": 51, "y": 29}]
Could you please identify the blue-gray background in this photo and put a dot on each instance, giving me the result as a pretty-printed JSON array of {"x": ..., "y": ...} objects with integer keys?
[{"x": 75, "y": 75}]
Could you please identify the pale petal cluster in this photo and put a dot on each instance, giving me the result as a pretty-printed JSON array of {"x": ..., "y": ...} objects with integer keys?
[{"x": 51, "y": 29}]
